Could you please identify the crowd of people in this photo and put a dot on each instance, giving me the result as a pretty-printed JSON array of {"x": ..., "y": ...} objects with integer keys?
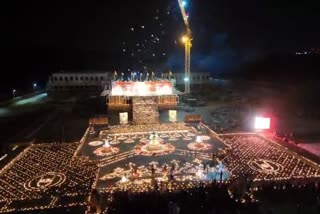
[
  {"x": 215, "y": 198},
  {"x": 297, "y": 194},
  {"x": 204, "y": 198}
]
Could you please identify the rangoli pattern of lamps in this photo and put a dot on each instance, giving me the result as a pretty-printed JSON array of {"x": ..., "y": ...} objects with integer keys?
[
  {"x": 114, "y": 140},
  {"x": 205, "y": 137},
  {"x": 164, "y": 135},
  {"x": 144, "y": 139},
  {"x": 96, "y": 143},
  {"x": 190, "y": 134},
  {"x": 45, "y": 167},
  {"x": 129, "y": 140},
  {"x": 106, "y": 150},
  {"x": 122, "y": 137},
  {"x": 149, "y": 128},
  {"x": 172, "y": 139},
  {"x": 134, "y": 137},
  {"x": 186, "y": 138},
  {"x": 92, "y": 131},
  {"x": 265, "y": 166},
  {"x": 265, "y": 160},
  {"x": 45, "y": 181},
  {"x": 199, "y": 145},
  {"x": 124, "y": 180},
  {"x": 177, "y": 135},
  {"x": 154, "y": 147},
  {"x": 186, "y": 171},
  {"x": 146, "y": 185}
]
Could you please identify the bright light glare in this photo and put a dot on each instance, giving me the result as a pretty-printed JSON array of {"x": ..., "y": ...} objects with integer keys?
[
  {"x": 184, "y": 39},
  {"x": 184, "y": 3},
  {"x": 186, "y": 79},
  {"x": 106, "y": 143},
  {"x": 198, "y": 139},
  {"x": 166, "y": 90},
  {"x": 117, "y": 91},
  {"x": 142, "y": 89},
  {"x": 262, "y": 123}
]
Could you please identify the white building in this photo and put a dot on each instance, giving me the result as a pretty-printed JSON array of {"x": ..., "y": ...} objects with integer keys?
[
  {"x": 195, "y": 78},
  {"x": 94, "y": 82},
  {"x": 78, "y": 82}
]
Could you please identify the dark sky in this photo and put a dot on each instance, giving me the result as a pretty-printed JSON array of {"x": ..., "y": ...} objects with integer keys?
[{"x": 44, "y": 36}]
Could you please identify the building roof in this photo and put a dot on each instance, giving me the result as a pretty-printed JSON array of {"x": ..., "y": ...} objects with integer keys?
[{"x": 82, "y": 71}]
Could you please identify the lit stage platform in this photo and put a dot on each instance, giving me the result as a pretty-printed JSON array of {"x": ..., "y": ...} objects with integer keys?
[
  {"x": 122, "y": 94},
  {"x": 146, "y": 88}
]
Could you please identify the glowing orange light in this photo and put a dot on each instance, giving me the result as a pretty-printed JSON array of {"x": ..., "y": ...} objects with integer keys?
[{"x": 184, "y": 39}]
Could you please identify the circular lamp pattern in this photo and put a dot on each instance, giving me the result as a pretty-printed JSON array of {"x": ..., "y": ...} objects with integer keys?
[
  {"x": 164, "y": 136},
  {"x": 129, "y": 141},
  {"x": 154, "y": 149},
  {"x": 45, "y": 181},
  {"x": 190, "y": 134},
  {"x": 205, "y": 137},
  {"x": 199, "y": 146},
  {"x": 96, "y": 143},
  {"x": 114, "y": 142},
  {"x": 122, "y": 138},
  {"x": 134, "y": 137},
  {"x": 106, "y": 151},
  {"x": 265, "y": 166},
  {"x": 177, "y": 135}
]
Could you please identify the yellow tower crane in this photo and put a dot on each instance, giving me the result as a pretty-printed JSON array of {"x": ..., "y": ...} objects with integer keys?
[{"x": 186, "y": 39}]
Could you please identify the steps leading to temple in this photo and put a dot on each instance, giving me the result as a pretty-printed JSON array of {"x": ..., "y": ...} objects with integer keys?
[{"x": 145, "y": 110}]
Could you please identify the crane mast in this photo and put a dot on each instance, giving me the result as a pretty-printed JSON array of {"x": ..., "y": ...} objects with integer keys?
[{"x": 187, "y": 44}]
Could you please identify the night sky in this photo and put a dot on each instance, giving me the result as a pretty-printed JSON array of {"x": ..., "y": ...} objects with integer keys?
[{"x": 41, "y": 37}]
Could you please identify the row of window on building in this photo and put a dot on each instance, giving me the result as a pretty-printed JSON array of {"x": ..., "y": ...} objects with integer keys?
[
  {"x": 101, "y": 78},
  {"x": 71, "y": 78},
  {"x": 72, "y": 87},
  {"x": 194, "y": 78}
]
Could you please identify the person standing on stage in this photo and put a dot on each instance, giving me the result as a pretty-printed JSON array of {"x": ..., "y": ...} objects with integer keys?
[
  {"x": 115, "y": 75},
  {"x": 152, "y": 76},
  {"x": 170, "y": 74}
]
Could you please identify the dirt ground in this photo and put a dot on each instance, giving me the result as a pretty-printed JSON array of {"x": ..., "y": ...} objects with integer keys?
[{"x": 222, "y": 104}]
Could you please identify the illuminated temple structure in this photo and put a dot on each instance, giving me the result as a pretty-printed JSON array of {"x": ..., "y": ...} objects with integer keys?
[{"x": 142, "y": 99}]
